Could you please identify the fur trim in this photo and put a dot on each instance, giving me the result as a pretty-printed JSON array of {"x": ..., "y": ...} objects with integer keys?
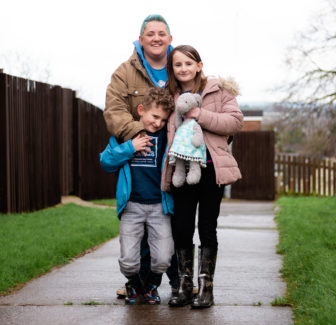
[{"x": 230, "y": 85}]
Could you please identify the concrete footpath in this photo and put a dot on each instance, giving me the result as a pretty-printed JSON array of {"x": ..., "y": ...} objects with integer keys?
[{"x": 247, "y": 279}]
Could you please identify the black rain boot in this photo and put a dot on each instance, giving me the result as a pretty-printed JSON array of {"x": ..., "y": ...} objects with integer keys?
[
  {"x": 207, "y": 265},
  {"x": 151, "y": 294},
  {"x": 172, "y": 273},
  {"x": 134, "y": 289},
  {"x": 185, "y": 260}
]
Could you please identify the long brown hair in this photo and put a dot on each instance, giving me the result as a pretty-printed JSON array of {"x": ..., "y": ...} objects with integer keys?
[{"x": 173, "y": 84}]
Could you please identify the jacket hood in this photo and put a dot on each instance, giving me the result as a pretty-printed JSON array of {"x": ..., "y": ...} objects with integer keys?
[
  {"x": 139, "y": 50},
  {"x": 227, "y": 83}
]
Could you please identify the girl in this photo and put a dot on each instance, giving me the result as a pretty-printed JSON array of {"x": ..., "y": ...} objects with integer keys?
[{"x": 219, "y": 117}]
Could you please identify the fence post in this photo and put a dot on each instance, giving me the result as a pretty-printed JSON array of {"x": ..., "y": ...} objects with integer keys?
[
  {"x": 308, "y": 175},
  {"x": 3, "y": 144},
  {"x": 319, "y": 179},
  {"x": 290, "y": 174},
  {"x": 277, "y": 172},
  {"x": 299, "y": 174},
  {"x": 334, "y": 175},
  {"x": 75, "y": 125},
  {"x": 328, "y": 171},
  {"x": 324, "y": 171},
  {"x": 285, "y": 172}
]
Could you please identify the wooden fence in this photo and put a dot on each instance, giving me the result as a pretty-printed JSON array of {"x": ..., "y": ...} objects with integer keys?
[
  {"x": 49, "y": 146},
  {"x": 254, "y": 152},
  {"x": 92, "y": 138},
  {"x": 50, "y": 143},
  {"x": 305, "y": 175}
]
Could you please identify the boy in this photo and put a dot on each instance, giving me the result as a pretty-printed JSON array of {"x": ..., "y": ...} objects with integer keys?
[{"x": 140, "y": 202}]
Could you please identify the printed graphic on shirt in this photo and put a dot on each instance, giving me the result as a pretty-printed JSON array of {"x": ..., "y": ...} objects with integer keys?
[
  {"x": 151, "y": 158},
  {"x": 161, "y": 83}
]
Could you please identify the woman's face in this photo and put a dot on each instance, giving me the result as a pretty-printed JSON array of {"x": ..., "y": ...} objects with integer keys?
[
  {"x": 185, "y": 70},
  {"x": 155, "y": 39}
]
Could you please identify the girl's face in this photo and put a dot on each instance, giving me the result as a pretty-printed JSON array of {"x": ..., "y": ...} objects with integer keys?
[{"x": 185, "y": 70}]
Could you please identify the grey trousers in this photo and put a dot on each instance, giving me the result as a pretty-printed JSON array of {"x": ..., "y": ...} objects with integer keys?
[{"x": 134, "y": 219}]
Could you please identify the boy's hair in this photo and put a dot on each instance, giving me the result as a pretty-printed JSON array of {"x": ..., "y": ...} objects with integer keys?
[
  {"x": 154, "y": 17},
  {"x": 173, "y": 84},
  {"x": 159, "y": 96}
]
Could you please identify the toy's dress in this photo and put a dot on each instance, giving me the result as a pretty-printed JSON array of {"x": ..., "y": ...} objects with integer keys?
[{"x": 182, "y": 146}]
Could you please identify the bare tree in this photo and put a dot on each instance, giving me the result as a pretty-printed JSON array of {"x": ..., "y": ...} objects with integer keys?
[
  {"x": 314, "y": 62},
  {"x": 308, "y": 110},
  {"x": 24, "y": 65}
]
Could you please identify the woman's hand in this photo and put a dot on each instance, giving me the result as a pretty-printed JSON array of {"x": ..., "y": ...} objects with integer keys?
[
  {"x": 141, "y": 144},
  {"x": 193, "y": 113}
]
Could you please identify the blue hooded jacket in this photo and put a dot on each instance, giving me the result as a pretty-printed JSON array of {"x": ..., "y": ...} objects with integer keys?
[{"x": 115, "y": 158}]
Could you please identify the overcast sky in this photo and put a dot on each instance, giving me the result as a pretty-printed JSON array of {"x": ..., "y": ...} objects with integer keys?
[{"x": 82, "y": 42}]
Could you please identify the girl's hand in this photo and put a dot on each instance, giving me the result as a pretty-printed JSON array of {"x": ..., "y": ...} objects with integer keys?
[
  {"x": 141, "y": 143},
  {"x": 193, "y": 113}
]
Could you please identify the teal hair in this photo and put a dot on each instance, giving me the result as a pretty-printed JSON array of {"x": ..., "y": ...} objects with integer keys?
[{"x": 153, "y": 18}]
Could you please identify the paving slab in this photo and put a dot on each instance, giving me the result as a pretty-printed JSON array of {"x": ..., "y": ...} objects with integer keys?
[{"x": 247, "y": 279}]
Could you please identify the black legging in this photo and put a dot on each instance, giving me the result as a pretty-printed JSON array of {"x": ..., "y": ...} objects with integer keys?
[{"x": 209, "y": 195}]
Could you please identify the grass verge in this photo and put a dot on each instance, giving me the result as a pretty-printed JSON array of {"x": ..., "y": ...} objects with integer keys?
[
  {"x": 32, "y": 243},
  {"x": 109, "y": 202},
  {"x": 307, "y": 227}
]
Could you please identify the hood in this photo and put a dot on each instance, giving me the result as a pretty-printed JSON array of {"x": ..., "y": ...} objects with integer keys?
[
  {"x": 227, "y": 83},
  {"x": 144, "y": 62}
]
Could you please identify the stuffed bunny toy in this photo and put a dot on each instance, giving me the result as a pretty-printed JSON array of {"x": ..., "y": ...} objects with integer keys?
[{"x": 188, "y": 147}]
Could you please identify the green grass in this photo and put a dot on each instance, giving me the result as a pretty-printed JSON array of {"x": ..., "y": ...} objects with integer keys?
[
  {"x": 307, "y": 227},
  {"x": 109, "y": 202},
  {"x": 280, "y": 302},
  {"x": 258, "y": 304},
  {"x": 32, "y": 243},
  {"x": 92, "y": 303},
  {"x": 69, "y": 303}
]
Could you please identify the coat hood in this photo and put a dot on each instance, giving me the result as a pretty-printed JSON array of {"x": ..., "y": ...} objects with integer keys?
[
  {"x": 224, "y": 83},
  {"x": 145, "y": 64}
]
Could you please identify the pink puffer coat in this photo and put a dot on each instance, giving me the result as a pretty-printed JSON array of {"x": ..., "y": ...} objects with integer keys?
[{"x": 219, "y": 117}]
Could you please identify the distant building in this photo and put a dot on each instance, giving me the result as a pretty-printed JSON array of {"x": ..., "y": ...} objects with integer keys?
[{"x": 252, "y": 120}]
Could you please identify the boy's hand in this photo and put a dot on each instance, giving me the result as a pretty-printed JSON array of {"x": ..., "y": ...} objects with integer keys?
[{"x": 141, "y": 143}]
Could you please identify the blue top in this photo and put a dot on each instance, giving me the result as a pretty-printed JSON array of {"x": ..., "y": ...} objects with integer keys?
[
  {"x": 158, "y": 77},
  {"x": 146, "y": 171},
  {"x": 115, "y": 158}
]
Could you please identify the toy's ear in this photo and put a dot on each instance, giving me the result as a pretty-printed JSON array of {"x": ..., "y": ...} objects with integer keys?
[
  {"x": 198, "y": 100},
  {"x": 179, "y": 101}
]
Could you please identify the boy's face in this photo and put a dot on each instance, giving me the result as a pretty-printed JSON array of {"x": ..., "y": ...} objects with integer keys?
[{"x": 153, "y": 118}]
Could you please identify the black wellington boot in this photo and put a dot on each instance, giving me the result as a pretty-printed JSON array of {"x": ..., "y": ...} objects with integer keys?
[
  {"x": 151, "y": 294},
  {"x": 134, "y": 289},
  {"x": 184, "y": 295},
  {"x": 207, "y": 265}
]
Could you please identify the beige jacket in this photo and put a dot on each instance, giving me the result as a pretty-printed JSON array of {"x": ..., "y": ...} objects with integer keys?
[
  {"x": 128, "y": 85},
  {"x": 219, "y": 117}
]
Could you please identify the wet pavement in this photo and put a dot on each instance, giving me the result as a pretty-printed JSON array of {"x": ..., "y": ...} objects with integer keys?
[{"x": 247, "y": 279}]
